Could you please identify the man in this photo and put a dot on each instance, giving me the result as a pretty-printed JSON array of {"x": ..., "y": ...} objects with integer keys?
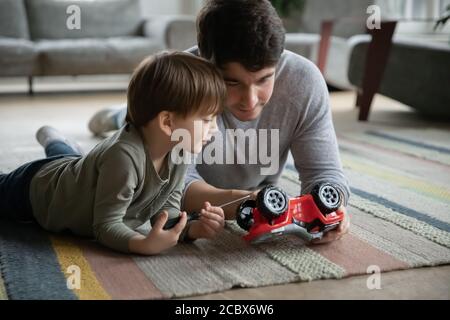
[{"x": 268, "y": 89}]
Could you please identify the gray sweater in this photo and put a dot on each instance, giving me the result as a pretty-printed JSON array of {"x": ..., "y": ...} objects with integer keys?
[
  {"x": 299, "y": 108},
  {"x": 109, "y": 194}
]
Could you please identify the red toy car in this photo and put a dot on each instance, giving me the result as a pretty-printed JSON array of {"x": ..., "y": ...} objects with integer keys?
[{"x": 308, "y": 216}]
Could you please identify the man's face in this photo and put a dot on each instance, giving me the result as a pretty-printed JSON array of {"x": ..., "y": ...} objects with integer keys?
[{"x": 247, "y": 92}]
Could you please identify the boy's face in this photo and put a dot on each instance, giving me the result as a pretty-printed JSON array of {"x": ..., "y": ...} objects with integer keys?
[
  {"x": 247, "y": 92},
  {"x": 200, "y": 128}
]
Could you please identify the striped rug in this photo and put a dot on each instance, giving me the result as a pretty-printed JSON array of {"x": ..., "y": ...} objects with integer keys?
[{"x": 400, "y": 213}]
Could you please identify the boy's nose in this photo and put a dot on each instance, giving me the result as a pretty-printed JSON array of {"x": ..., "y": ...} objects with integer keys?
[{"x": 213, "y": 127}]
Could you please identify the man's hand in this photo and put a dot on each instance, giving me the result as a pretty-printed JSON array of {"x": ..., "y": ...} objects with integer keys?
[
  {"x": 158, "y": 239},
  {"x": 338, "y": 233},
  {"x": 210, "y": 224}
]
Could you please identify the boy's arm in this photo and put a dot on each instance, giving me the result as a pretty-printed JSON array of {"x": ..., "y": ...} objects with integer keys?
[
  {"x": 172, "y": 207},
  {"x": 116, "y": 181},
  {"x": 198, "y": 192}
]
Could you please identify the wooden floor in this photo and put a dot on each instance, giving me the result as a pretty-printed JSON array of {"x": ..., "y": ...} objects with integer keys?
[{"x": 21, "y": 115}]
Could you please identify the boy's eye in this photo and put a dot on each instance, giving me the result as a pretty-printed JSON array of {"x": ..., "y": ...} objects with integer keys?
[{"x": 231, "y": 84}]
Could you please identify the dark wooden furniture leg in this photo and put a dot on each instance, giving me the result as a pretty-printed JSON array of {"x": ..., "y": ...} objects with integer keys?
[
  {"x": 30, "y": 86},
  {"x": 376, "y": 60},
  {"x": 324, "y": 44}
]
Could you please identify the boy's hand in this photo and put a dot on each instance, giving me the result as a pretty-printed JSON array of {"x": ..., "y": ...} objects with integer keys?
[
  {"x": 338, "y": 233},
  {"x": 210, "y": 223},
  {"x": 159, "y": 239}
]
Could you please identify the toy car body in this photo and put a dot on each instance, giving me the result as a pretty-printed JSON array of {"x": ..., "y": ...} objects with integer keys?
[{"x": 308, "y": 216}]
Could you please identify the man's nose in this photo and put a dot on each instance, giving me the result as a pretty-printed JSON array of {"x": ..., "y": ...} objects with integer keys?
[{"x": 249, "y": 98}]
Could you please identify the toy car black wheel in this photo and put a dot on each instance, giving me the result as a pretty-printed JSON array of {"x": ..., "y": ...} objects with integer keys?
[
  {"x": 272, "y": 202},
  {"x": 244, "y": 214},
  {"x": 327, "y": 197}
]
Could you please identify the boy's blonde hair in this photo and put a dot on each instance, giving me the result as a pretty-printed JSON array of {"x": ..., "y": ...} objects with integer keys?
[{"x": 174, "y": 81}]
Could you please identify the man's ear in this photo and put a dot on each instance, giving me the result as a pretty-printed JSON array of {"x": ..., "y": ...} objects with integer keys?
[{"x": 165, "y": 122}]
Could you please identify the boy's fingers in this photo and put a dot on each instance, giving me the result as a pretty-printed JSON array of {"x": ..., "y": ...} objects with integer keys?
[
  {"x": 207, "y": 215},
  {"x": 217, "y": 211},
  {"x": 210, "y": 232},
  {"x": 161, "y": 220},
  {"x": 213, "y": 224},
  {"x": 181, "y": 224}
]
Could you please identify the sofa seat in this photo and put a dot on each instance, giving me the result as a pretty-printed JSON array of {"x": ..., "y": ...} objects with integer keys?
[
  {"x": 18, "y": 57},
  {"x": 94, "y": 55}
]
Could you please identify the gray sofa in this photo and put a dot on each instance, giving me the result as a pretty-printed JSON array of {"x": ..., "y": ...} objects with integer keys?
[
  {"x": 113, "y": 38},
  {"x": 417, "y": 73},
  {"x": 346, "y": 33}
]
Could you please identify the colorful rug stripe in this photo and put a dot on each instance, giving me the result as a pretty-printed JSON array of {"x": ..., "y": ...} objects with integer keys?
[
  {"x": 421, "y": 228},
  {"x": 292, "y": 253},
  {"x": 3, "y": 295},
  {"x": 416, "y": 151},
  {"x": 441, "y": 193},
  {"x": 401, "y": 209},
  {"x": 210, "y": 266},
  {"x": 29, "y": 265},
  {"x": 71, "y": 255},
  {"x": 355, "y": 256},
  {"x": 403, "y": 244},
  {"x": 362, "y": 147},
  {"x": 418, "y": 202},
  {"x": 118, "y": 273},
  {"x": 408, "y": 141}
]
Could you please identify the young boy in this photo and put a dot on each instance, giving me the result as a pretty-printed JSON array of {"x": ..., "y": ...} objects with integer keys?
[{"x": 130, "y": 177}]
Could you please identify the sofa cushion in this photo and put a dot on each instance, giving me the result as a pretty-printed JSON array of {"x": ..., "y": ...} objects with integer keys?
[
  {"x": 350, "y": 16},
  {"x": 302, "y": 43},
  {"x": 416, "y": 74},
  {"x": 101, "y": 18},
  {"x": 13, "y": 19},
  {"x": 94, "y": 56},
  {"x": 18, "y": 57}
]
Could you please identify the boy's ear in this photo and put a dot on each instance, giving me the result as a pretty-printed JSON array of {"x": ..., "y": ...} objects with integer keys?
[{"x": 165, "y": 121}]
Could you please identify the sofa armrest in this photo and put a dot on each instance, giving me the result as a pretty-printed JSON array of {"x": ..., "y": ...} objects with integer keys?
[{"x": 173, "y": 32}]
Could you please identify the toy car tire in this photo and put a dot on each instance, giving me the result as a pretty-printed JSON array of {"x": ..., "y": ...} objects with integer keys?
[
  {"x": 272, "y": 202},
  {"x": 327, "y": 197},
  {"x": 244, "y": 214}
]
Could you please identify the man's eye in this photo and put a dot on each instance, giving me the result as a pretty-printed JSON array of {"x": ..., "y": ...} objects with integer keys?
[{"x": 231, "y": 84}]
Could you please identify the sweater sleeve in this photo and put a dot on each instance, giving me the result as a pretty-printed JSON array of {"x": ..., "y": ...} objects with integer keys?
[
  {"x": 314, "y": 147},
  {"x": 117, "y": 180}
]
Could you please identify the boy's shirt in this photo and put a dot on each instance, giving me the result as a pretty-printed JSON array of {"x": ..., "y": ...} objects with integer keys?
[{"x": 109, "y": 193}]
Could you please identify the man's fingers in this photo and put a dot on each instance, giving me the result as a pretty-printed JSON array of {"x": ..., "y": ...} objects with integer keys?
[
  {"x": 161, "y": 220},
  {"x": 344, "y": 225},
  {"x": 328, "y": 237}
]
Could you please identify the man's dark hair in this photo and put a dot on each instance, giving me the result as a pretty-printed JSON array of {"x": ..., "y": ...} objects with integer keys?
[{"x": 249, "y": 32}]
